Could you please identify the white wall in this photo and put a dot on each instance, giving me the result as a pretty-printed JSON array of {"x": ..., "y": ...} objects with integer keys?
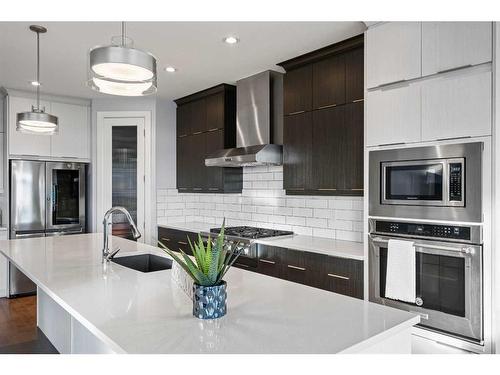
[{"x": 165, "y": 144}]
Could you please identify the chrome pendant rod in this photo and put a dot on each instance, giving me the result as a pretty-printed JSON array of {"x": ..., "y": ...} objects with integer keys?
[{"x": 38, "y": 70}]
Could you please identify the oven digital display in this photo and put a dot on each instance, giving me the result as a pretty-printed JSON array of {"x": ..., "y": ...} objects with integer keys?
[{"x": 414, "y": 182}]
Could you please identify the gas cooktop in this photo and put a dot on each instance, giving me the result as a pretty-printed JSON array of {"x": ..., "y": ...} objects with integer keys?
[{"x": 245, "y": 232}]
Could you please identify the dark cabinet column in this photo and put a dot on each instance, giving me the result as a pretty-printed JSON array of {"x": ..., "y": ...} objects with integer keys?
[
  {"x": 297, "y": 147},
  {"x": 197, "y": 116},
  {"x": 297, "y": 90},
  {"x": 329, "y": 87},
  {"x": 183, "y": 163},
  {"x": 197, "y": 157},
  {"x": 351, "y": 154}
]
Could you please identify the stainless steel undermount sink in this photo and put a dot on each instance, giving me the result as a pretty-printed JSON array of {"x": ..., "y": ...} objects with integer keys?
[{"x": 144, "y": 262}]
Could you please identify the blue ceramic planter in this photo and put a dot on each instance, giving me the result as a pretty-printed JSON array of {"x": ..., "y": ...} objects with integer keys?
[{"x": 209, "y": 302}]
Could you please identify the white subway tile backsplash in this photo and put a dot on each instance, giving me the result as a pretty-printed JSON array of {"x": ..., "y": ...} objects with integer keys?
[{"x": 263, "y": 203}]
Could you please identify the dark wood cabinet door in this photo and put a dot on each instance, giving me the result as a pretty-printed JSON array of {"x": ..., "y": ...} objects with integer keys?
[
  {"x": 183, "y": 163},
  {"x": 329, "y": 84},
  {"x": 183, "y": 123},
  {"x": 214, "y": 175},
  {"x": 354, "y": 76},
  {"x": 196, "y": 154},
  {"x": 270, "y": 260},
  {"x": 327, "y": 140},
  {"x": 297, "y": 90},
  {"x": 351, "y": 149},
  {"x": 215, "y": 112},
  {"x": 297, "y": 147},
  {"x": 197, "y": 115}
]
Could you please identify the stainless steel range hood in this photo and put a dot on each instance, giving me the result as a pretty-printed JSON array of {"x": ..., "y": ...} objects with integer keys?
[{"x": 259, "y": 123}]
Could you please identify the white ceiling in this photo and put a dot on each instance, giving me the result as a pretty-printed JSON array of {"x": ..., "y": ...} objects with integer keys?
[{"x": 194, "y": 48}]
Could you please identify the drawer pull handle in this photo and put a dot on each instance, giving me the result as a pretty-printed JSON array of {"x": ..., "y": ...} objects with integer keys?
[
  {"x": 214, "y": 189},
  {"x": 356, "y": 189},
  {"x": 338, "y": 276},
  {"x": 267, "y": 261},
  {"x": 197, "y": 188},
  {"x": 327, "y": 189},
  {"x": 358, "y": 100},
  {"x": 183, "y": 135},
  {"x": 182, "y": 243},
  {"x": 213, "y": 129},
  {"x": 296, "y": 267},
  {"x": 242, "y": 265},
  {"x": 327, "y": 106},
  {"x": 196, "y": 133},
  {"x": 296, "y": 112},
  {"x": 165, "y": 239}
]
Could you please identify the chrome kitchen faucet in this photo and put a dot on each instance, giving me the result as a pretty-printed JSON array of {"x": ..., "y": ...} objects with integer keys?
[{"x": 106, "y": 255}]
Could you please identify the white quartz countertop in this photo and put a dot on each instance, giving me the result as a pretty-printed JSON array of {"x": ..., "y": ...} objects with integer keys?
[
  {"x": 136, "y": 312},
  {"x": 327, "y": 246}
]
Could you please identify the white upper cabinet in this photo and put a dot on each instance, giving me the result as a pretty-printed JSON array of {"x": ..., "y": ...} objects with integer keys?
[
  {"x": 22, "y": 143},
  {"x": 393, "y": 53},
  {"x": 393, "y": 115},
  {"x": 451, "y": 45},
  {"x": 72, "y": 140},
  {"x": 457, "y": 105}
]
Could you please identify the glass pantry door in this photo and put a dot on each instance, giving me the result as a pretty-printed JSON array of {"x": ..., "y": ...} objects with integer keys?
[{"x": 123, "y": 178}]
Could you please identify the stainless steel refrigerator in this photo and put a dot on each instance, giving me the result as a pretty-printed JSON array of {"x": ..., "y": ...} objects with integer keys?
[{"x": 46, "y": 199}]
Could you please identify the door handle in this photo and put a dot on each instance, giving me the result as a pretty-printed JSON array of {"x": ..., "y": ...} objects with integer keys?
[
  {"x": 296, "y": 267},
  {"x": 267, "y": 261}
]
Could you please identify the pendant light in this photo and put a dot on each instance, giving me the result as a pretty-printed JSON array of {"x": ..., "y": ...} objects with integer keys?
[
  {"x": 120, "y": 69},
  {"x": 37, "y": 121}
]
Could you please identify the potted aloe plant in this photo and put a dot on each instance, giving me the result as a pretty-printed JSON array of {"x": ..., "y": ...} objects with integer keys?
[{"x": 211, "y": 262}]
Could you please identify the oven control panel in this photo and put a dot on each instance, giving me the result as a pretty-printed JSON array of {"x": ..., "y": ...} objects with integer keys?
[
  {"x": 454, "y": 232},
  {"x": 456, "y": 182}
]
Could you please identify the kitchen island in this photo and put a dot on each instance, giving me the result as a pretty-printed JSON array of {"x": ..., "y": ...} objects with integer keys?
[{"x": 85, "y": 307}]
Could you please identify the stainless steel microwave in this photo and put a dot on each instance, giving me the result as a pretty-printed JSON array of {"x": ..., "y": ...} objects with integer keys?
[{"x": 436, "y": 182}]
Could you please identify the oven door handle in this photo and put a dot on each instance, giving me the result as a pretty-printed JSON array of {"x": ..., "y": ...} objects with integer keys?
[{"x": 462, "y": 250}]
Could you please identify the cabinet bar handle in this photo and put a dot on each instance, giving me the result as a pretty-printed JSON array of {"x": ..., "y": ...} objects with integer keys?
[
  {"x": 242, "y": 265},
  {"x": 267, "y": 261},
  {"x": 197, "y": 188},
  {"x": 165, "y": 239},
  {"x": 182, "y": 243},
  {"x": 327, "y": 106},
  {"x": 212, "y": 130},
  {"x": 390, "y": 83},
  {"x": 183, "y": 135},
  {"x": 296, "y": 267},
  {"x": 358, "y": 100},
  {"x": 296, "y": 113},
  {"x": 453, "y": 69},
  {"x": 213, "y": 189},
  {"x": 338, "y": 276},
  {"x": 327, "y": 189},
  {"x": 196, "y": 133},
  {"x": 357, "y": 189}
]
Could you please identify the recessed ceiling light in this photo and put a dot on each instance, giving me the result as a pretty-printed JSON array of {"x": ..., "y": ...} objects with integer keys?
[
  {"x": 35, "y": 83},
  {"x": 231, "y": 40},
  {"x": 170, "y": 69}
]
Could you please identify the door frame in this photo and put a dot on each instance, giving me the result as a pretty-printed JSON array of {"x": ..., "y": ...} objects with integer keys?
[{"x": 149, "y": 167}]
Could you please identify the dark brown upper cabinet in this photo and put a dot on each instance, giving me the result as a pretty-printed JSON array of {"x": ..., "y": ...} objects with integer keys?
[
  {"x": 354, "y": 75},
  {"x": 297, "y": 90},
  {"x": 329, "y": 82},
  {"x": 323, "y": 123},
  {"x": 206, "y": 122},
  {"x": 297, "y": 145}
]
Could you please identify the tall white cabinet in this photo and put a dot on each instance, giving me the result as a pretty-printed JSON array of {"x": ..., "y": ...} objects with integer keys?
[{"x": 428, "y": 81}]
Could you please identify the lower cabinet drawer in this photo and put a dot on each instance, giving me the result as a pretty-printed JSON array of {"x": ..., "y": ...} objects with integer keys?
[
  {"x": 341, "y": 275},
  {"x": 176, "y": 240},
  {"x": 245, "y": 262}
]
